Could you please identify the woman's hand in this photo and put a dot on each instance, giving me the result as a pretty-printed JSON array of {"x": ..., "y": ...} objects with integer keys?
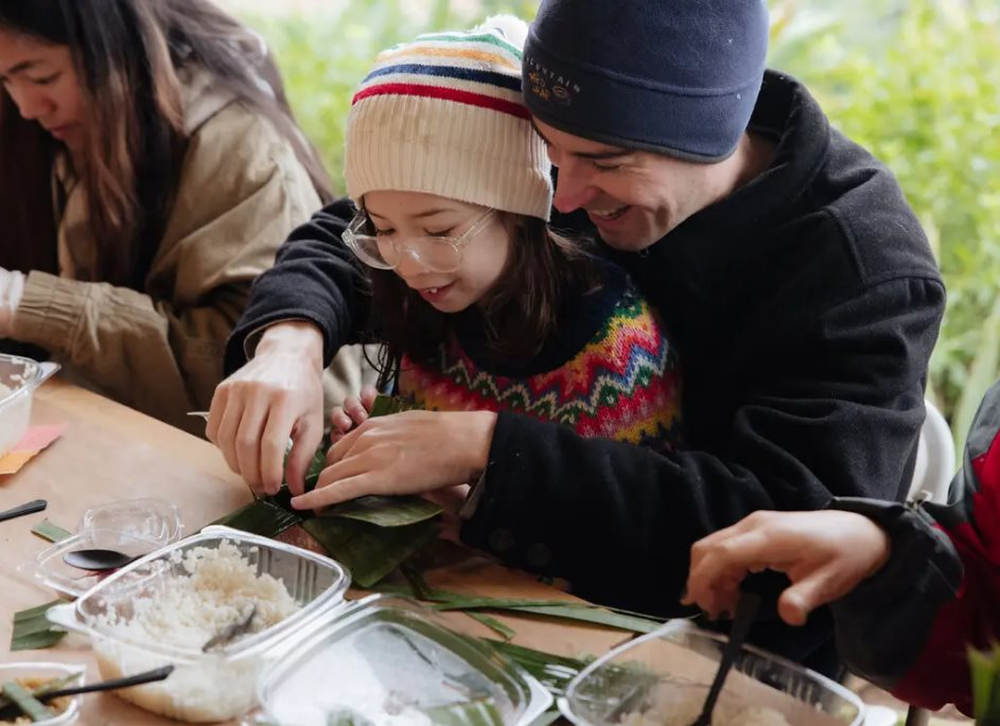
[
  {"x": 277, "y": 395},
  {"x": 353, "y": 413},
  {"x": 406, "y": 453},
  {"x": 11, "y": 290},
  {"x": 825, "y": 554}
]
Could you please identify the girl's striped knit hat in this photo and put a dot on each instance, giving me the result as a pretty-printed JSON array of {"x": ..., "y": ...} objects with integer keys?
[{"x": 444, "y": 115}]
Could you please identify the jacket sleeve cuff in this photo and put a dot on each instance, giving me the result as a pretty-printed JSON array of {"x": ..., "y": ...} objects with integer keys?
[
  {"x": 883, "y": 624},
  {"x": 50, "y": 310}
]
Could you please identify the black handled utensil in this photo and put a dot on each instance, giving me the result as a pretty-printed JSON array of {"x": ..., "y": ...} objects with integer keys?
[
  {"x": 30, "y": 508},
  {"x": 10, "y": 710},
  {"x": 746, "y": 611},
  {"x": 98, "y": 560},
  {"x": 138, "y": 679}
]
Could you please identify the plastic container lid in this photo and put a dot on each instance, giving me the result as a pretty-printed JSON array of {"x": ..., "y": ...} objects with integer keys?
[
  {"x": 13, "y": 671},
  {"x": 663, "y": 677},
  {"x": 390, "y": 661},
  {"x": 153, "y": 519},
  {"x": 49, "y": 569}
]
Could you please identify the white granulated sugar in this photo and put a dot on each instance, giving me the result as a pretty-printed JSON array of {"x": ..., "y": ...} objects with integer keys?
[{"x": 217, "y": 589}]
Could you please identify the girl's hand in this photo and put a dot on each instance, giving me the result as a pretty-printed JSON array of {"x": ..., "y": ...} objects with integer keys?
[
  {"x": 277, "y": 395},
  {"x": 353, "y": 413},
  {"x": 406, "y": 453},
  {"x": 825, "y": 554}
]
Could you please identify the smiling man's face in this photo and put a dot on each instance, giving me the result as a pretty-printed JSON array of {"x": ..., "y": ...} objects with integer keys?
[{"x": 634, "y": 198}]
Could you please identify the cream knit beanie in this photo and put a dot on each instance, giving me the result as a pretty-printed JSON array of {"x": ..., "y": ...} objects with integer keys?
[{"x": 444, "y": 115}]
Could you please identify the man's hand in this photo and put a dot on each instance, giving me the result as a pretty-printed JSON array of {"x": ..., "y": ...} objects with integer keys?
[
  {"x": 276, "y": 396},
  {"x": 406, "y": 453},
  {"x": 825, "y": 554}
]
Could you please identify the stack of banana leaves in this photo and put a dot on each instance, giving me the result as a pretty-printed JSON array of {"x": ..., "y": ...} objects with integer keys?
[{"x": 371, "y": 536}]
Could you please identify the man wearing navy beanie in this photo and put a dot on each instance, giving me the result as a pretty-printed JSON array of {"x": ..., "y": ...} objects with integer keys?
[{"x": 794, "y": 278}]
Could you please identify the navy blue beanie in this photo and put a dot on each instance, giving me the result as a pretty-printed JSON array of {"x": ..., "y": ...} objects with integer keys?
[{"x": 677, "y": 77}]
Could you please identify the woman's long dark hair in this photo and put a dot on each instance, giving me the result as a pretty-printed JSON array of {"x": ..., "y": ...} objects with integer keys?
[
  {"x": 126, "y": 54},
  {"x": 519, "y": 315}
]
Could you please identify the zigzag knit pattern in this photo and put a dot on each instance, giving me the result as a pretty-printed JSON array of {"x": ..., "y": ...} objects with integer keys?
[{"x": 625, "y": 384}]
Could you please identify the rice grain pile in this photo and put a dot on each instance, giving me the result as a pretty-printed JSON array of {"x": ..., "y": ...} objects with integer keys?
[{"x": 217, "y": 589}]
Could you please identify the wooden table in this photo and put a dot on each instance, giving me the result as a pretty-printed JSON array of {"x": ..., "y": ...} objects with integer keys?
[{"x": 110, "y": 452}]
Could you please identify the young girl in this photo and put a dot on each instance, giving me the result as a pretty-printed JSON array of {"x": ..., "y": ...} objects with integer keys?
[
  {"x": 149, "y": 169},
  {"x": 480, "y": 307}
]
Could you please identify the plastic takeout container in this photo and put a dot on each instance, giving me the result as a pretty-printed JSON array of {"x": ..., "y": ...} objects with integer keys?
[
  {"x": 154, "y": 519},
  {"x": 133, "y": 526},
  {"x": 13, "y": 671},
  {"x": 390, "y": 661},
  {"x": 205, "y": 686},
  {"x": 19, "y": 377},
  {"x": 663, "y": 678}
]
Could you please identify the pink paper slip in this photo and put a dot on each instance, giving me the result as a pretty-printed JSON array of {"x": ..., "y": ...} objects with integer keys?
[{"x": 35, "y": 439}]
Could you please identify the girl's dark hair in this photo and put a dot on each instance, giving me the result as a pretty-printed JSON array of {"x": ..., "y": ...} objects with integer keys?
[
  {"x": 126, "y": 54},
  {"x": 519, "y": 316}
]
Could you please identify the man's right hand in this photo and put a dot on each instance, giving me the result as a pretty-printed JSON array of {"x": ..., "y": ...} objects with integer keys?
[
  {"x": 825, "y": 554},
  {"x": 277, "y": 395}
]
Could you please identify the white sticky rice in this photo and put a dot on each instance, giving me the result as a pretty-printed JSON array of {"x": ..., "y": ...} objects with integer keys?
[{"x": 217, "y": 590}]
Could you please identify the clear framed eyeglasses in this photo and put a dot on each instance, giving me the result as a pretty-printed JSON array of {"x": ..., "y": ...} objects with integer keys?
[{"x": 439, "y": 254}]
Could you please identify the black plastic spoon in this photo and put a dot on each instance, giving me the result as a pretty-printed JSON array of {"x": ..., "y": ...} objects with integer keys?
[
  {"x": 98, "y": 560},
  {"x": 113, "y": 685},
  {"x": 746, "y": 611}
]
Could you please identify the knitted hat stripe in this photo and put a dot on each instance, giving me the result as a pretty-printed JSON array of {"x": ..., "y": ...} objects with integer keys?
[
  {"x": 464, "y": 38},
  {"x": 468, "y": 54},
  {"x": 445, "y": 94},
  {"x": 434, "y": 71}
]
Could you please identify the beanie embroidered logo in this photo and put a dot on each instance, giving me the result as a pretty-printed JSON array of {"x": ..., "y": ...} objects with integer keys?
[{"x": 549, "y": 85}]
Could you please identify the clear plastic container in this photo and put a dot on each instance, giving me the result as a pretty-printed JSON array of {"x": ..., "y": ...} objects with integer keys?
[
  {"x": 19, "y": 377},
  {"x": 133, "y": 526},
  {"x": 49, "y": 569},
  {"x": 662, "y": 678},
  {"x": 154, "y": 519},
  {"x": 206, "y": 686},
  {"x": 13, "y": 671},
  {"x": 389, "y": 660}
]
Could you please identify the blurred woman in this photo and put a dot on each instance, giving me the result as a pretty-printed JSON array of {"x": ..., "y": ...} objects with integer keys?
[{"x": 149, "y": 169}]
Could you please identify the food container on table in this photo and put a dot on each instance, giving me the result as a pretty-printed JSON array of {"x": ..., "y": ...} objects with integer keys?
[
  {"x": 19, "y": 377},
  {"x": 390, "y": 661},
  {"x": 205, "y": 686},
  {"x": 662, "y": 678},
  {"x": 58, "y": 671},
  {"x": 153, "y": 519},
  {"x": 133, "y": 526}
]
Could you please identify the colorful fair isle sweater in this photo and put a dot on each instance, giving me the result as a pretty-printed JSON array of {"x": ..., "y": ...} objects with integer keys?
[{"x": 609, "y": 371}]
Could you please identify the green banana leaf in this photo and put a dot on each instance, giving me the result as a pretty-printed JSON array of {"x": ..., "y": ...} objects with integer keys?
[
  {"x": 385, "y": 511},
  {"x": 263, "y": 516},
  {"x": 501, "y": 629},
  {"x": 33, "y": 631},
  {"x": 474, "y": 713},
  {"x": 370, "y": 552},
  {"x": 29, "y": 705},
  {"x": 51, "y": 532}
]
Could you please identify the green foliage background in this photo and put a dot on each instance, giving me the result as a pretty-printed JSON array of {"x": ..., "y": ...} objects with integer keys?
[{"x": 915, "y": 81}]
